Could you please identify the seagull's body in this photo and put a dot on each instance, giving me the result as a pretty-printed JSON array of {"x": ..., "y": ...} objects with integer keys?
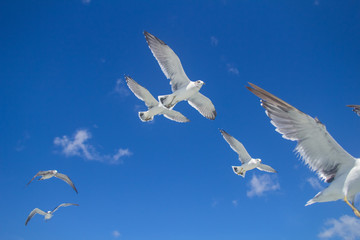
[
  {"x": 49, "y": 214},
  {"x": 248, "y": 163},
  {"x": 316, "y": 147},
  {"x": 356, "y": 108},
  {"x": 53, "y": 173},
  {"x": 154, "y": 107},
  {"x": 183, "y": 89}
]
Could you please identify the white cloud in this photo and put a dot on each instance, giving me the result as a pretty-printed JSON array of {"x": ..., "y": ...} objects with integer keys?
[
  {"x": 86, "y": 2},
  {"x": 79, "y": 146},
  {"x": 347, "y": 228},
  {"x": 116, "y": 234},
  {"x": 263, "y": 183},
  {"x": 315, "y": 183},
  {"x": 232, "y": 69},
  {"x": 120, "y": 88},
  {"x": 235, "y": 203},
  {"x": 214, "y": 41}
]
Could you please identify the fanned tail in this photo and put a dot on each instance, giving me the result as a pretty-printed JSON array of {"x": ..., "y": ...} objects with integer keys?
[{"x": 145, "y": 116}]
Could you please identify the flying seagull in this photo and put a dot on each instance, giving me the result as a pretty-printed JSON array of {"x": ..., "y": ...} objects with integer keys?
[
  {"x": 49, "y": 214},
  {"x": 316, "y": 147},
  {"x": 53, "y": 173},
  {"x": 182, "y": 87},
  {"x": 154, "y": 107},
  {"x": 356, "y": 108},
  {"x": 248, "y": 163}
]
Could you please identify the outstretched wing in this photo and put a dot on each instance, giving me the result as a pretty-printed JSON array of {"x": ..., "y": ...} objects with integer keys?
[
  {"x": 141, "y": 92},
  {"x": 40, "y": 173},
  {"x": 33, "y": 212},
  {"x": 203, "y": 105},
  {"x": 66, "y": 179},
  {"x": 64, "y": 205},
  {"x": 314, "y": 144},
  {"x": 175, "y": 116},
  {"x": 266, "y": 168},
  {"x": 244, "y": 156},
  {"x": 169, "y": 62},
  {"x": 356, "y": 108}
]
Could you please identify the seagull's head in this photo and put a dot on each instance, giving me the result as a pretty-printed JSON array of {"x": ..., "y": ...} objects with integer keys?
[
  {"x": 54, "y": 171},
  {"x": 199, "y": 83},
  {"x": 258, "y": 160}
]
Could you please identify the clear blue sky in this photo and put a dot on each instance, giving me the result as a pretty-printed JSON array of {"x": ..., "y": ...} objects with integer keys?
[{"x": 61, "y": 62}]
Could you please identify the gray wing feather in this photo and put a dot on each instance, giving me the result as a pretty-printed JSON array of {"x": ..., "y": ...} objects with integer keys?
[
  {"x": 66, "y": 179},
  {"x": 203, "y": 105},
  {"x": 40, "y": 173},
  {"x": 175, "y": 116},
  {"x": 141, "y": 92},
  {"x": 237, "y": 146},
  {"x": 356, "y": 108},
  {"x": 315, "y": 145},
  {"x": 32, "y": 213},
  {"x": 266, "y": 168},
  {"x": 64, "y": 205},
  {"x": 169, "y": 62}
]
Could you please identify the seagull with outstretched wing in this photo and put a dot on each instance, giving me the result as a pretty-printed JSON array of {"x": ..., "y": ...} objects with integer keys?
[
  {"x": 182, "y": 87},
  {"x": 53, "y": 173},
  {"x": 356, "y": 108},
  {"x": 49, "y": 214},
  {"x": 154, "y": 107},
  {"x": 248, "y": 163},
  {"x": 317, "y": 148}
]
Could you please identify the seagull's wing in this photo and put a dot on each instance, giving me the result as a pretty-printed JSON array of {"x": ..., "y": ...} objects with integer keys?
[
  {"x": 356, "y": 108},
  {"x": 266, "y": 168},
  {"x": 66, "y": 179},
  {"x": 203, "y": 105},
  {"x": 40, "y": 173},
  {"x": 64, "y": 205},
  {"x": 314, "y": 144},
  {"x": 175, "y": 116},
  {"x": 33, "y": 212},
  {"x": 141, "y": 92},
  {"x": 169, "y": 62},
  {"x": 244, "y": 156}
]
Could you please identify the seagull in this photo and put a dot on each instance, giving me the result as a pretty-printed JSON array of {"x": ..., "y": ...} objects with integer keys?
[
  {"x": 154, "y": 107},
  {"x": 49, "y": 214},
  {"x": 248, "y": 163},
  {"x": 182, "y": 87},
  {"x": 53, "y": 173},
  {"x": 316, "y": 147},
  {"x": 356, "y": 108}
]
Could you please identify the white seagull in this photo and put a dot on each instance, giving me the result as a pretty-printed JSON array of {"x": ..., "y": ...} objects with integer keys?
[
  {"x": 53, "y": 173},
  {"x": 49, "y": 214},
  {"x": 154, "y": 107},
  {"x": 356, "y": 108},
  {"x": 316, "y": 147},
  {"x": 182, "y": 87},
  {"x": 248, "y": 163}
]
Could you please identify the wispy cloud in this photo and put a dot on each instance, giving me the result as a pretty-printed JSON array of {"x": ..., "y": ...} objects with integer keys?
[
  {"x": 86, "y": 2},
  {"x": 232, "y": 69},
  {"x": 235, "y": 203},
  {"x": 20, "y": 144},
  {"x": 78, "y": 146},
  {"x": 121, "y": 88},
  {"x": 314, "y": 183},
  {"x": 116, "y": 234},
  {"x": 214, "y": 41},
  {"x": 259, "y": 185},
  {"x": 347, "y": 228}
]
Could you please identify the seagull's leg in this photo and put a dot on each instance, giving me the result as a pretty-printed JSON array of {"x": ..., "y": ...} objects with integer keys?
[{"x": 357, "y": 213}]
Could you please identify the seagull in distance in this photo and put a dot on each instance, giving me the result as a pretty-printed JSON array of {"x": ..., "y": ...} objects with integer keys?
[
  {"x": 49, "y": 214},
  {"x": 53, "y": 173},
  {"x": 248, "y": 163},
  {"x": 316, "y": 147},
  {"x": 356, "y": 108},
  {"x": 182, "y": 87},
  {"x": 154, "y": 107}
]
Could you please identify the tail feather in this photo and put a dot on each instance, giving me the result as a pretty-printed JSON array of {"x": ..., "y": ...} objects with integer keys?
[
  {"x": 239, "y": 171},
  {"x": 145, "y": 116}
]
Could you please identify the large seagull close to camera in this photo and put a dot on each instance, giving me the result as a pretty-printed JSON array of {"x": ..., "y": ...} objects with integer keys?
[
  {"x": 248, "y": 163},
  {"x": 53, "y": 173},
  {"x": 49, "y": 214},
  {"x": 154, "y": 107},
  {"x": 356, "y": 108},
  {"x": 182, "y": 87},
  {"x": 316, "y": 147}
]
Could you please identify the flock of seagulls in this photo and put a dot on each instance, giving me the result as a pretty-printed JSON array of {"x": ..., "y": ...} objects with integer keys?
[{"x": 314, "y": 144}]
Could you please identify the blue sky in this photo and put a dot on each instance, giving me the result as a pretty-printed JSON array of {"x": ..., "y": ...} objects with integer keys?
[{"x": 65, "y": 106}]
